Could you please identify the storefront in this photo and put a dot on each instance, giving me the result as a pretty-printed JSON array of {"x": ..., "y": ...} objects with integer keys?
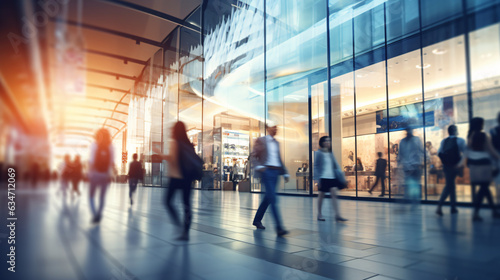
[{"x": 361, "y": 72}]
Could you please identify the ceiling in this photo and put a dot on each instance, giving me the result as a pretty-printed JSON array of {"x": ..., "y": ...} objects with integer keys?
[{"x": 114, "y": 43}]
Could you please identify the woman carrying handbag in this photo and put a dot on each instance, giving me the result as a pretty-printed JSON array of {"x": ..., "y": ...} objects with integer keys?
[
  {"x": 330, "y": 177},
  {"x": 480, "y": 154}
]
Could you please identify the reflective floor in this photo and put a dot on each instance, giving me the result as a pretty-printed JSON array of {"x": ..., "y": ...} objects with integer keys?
[{"x": 56, "y": 240}]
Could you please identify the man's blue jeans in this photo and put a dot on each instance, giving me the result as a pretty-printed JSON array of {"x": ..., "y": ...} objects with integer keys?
[{"x": 269, "y": 178}]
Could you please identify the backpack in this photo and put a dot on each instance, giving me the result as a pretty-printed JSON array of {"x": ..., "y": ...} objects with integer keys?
[
  {"x": 190, "y": 163},
  {"x": 102, "y": 159},
  {"x": 450, "y": 154}
]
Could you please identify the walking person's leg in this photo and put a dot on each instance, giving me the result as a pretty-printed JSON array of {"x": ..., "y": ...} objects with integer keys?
[
  {"x": 335, "y": 205},
  {"x": 132, "y": 184},
  {"x": 374, "y": 185},
  {"x": 497, "y": 191},
  {"x": 186, "y": 199},
  {"x": 382, "y": 183},
  {"x": 453, "y": 193},
  {"x": 64, "y": 188},
  {"x": 104, "y": 187},
  {"x": 321, "y": 196},
  {"x": 168, "y": 201},
  {"x": 273, "y": 200},
  {"x": 491, "y": 203},
  {"x": 477, "y": 202},
  {"x": 257, "y": 220},
  {"x": 93, "y": 186},
  {"x": 446, "y": 191}
]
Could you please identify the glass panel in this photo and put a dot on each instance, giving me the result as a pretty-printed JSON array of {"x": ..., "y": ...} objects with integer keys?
[
  {"x": 405, "y": 109},
  {"x": 370, "y": 138},
  {"x": 472, "y": 4},
  {"x": 436, "y": 11},
  {"x": 233, "y": 108},
  {"x": 445, "y": 104},
  {"x": 319, "y": 128},
  {"x": 402, "y": 18},
  {"x": 485, "y": 58},
  {"x": 369, "y": 29},
  {"x": 190, "y": 82},
  {"x": 170, "y": 93},
  {"x": 342, "y": 89},
  {"x": 296, "y": 51},
  {"x": 341, "y": 36},
  {"x": 156, "y": 118},
  {"x": 343, "y": 122}
]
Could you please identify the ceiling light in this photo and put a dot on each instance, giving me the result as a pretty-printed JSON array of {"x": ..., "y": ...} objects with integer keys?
[
  {"x": 396, "y": 81},
  {"x": 426, "y": 65},
  {"x": 439, "y": 51}
]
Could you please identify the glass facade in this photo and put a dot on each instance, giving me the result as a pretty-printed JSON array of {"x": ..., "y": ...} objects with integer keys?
[{"x": 360, "y": 71}]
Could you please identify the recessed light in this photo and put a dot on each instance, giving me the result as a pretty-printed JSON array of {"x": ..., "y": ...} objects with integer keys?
[
  {"x": 396, "y": 81},
  {"x": 426, "y": 65},
  {"x": 439, "y": 51}
]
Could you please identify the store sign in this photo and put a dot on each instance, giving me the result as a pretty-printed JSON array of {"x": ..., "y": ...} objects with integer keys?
[{"x": 124, "y": 157}]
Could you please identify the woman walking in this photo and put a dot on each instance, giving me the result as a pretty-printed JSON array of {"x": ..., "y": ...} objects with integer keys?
[
  {"x": 65, "y": 175},
  {"x": 179, "y": 142},
  {"x": 101, "y": 168},
  {"x": 76, "y": 175},
  {"x": 329, "y": 175},
  {"x": 479, "y": 160}
]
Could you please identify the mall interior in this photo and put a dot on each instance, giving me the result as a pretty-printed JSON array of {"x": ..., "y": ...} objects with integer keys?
[{"x": 359, "y": 71}]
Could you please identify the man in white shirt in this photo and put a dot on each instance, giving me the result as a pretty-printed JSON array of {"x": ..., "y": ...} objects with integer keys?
[{"x": 268, "y": 165}]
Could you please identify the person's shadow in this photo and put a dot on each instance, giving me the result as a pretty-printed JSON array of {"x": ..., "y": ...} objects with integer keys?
[{"x": 177, "y": 263}]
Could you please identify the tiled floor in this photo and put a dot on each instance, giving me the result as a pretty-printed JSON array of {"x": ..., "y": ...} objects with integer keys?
[{"x": 55, "y": 240}]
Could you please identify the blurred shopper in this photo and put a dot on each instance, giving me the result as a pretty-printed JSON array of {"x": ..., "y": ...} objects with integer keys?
[
  {"x": 234, "y": 174},
  {"x": 35, "y": 174},
  {"x": 268, "y": 166},
  {"x": 495, "y": 140},
  {"x": 134, "y": 175},
  {"x": 380, "y": 167},
  {"x": 451, "y": 152},
  {"x": 184, "y": 166},
  {"x": 482, "y": 168},
  {"x": 76, "y": 174},
  {"x": 65, "y": 175},
  {"x": 410, "y": 160},
  {"x": 246, "y": 170},
  {"x": 330, "y": 176},
  {"x": 359, "y": 165},
  {"x": 100, "y": 170}
]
